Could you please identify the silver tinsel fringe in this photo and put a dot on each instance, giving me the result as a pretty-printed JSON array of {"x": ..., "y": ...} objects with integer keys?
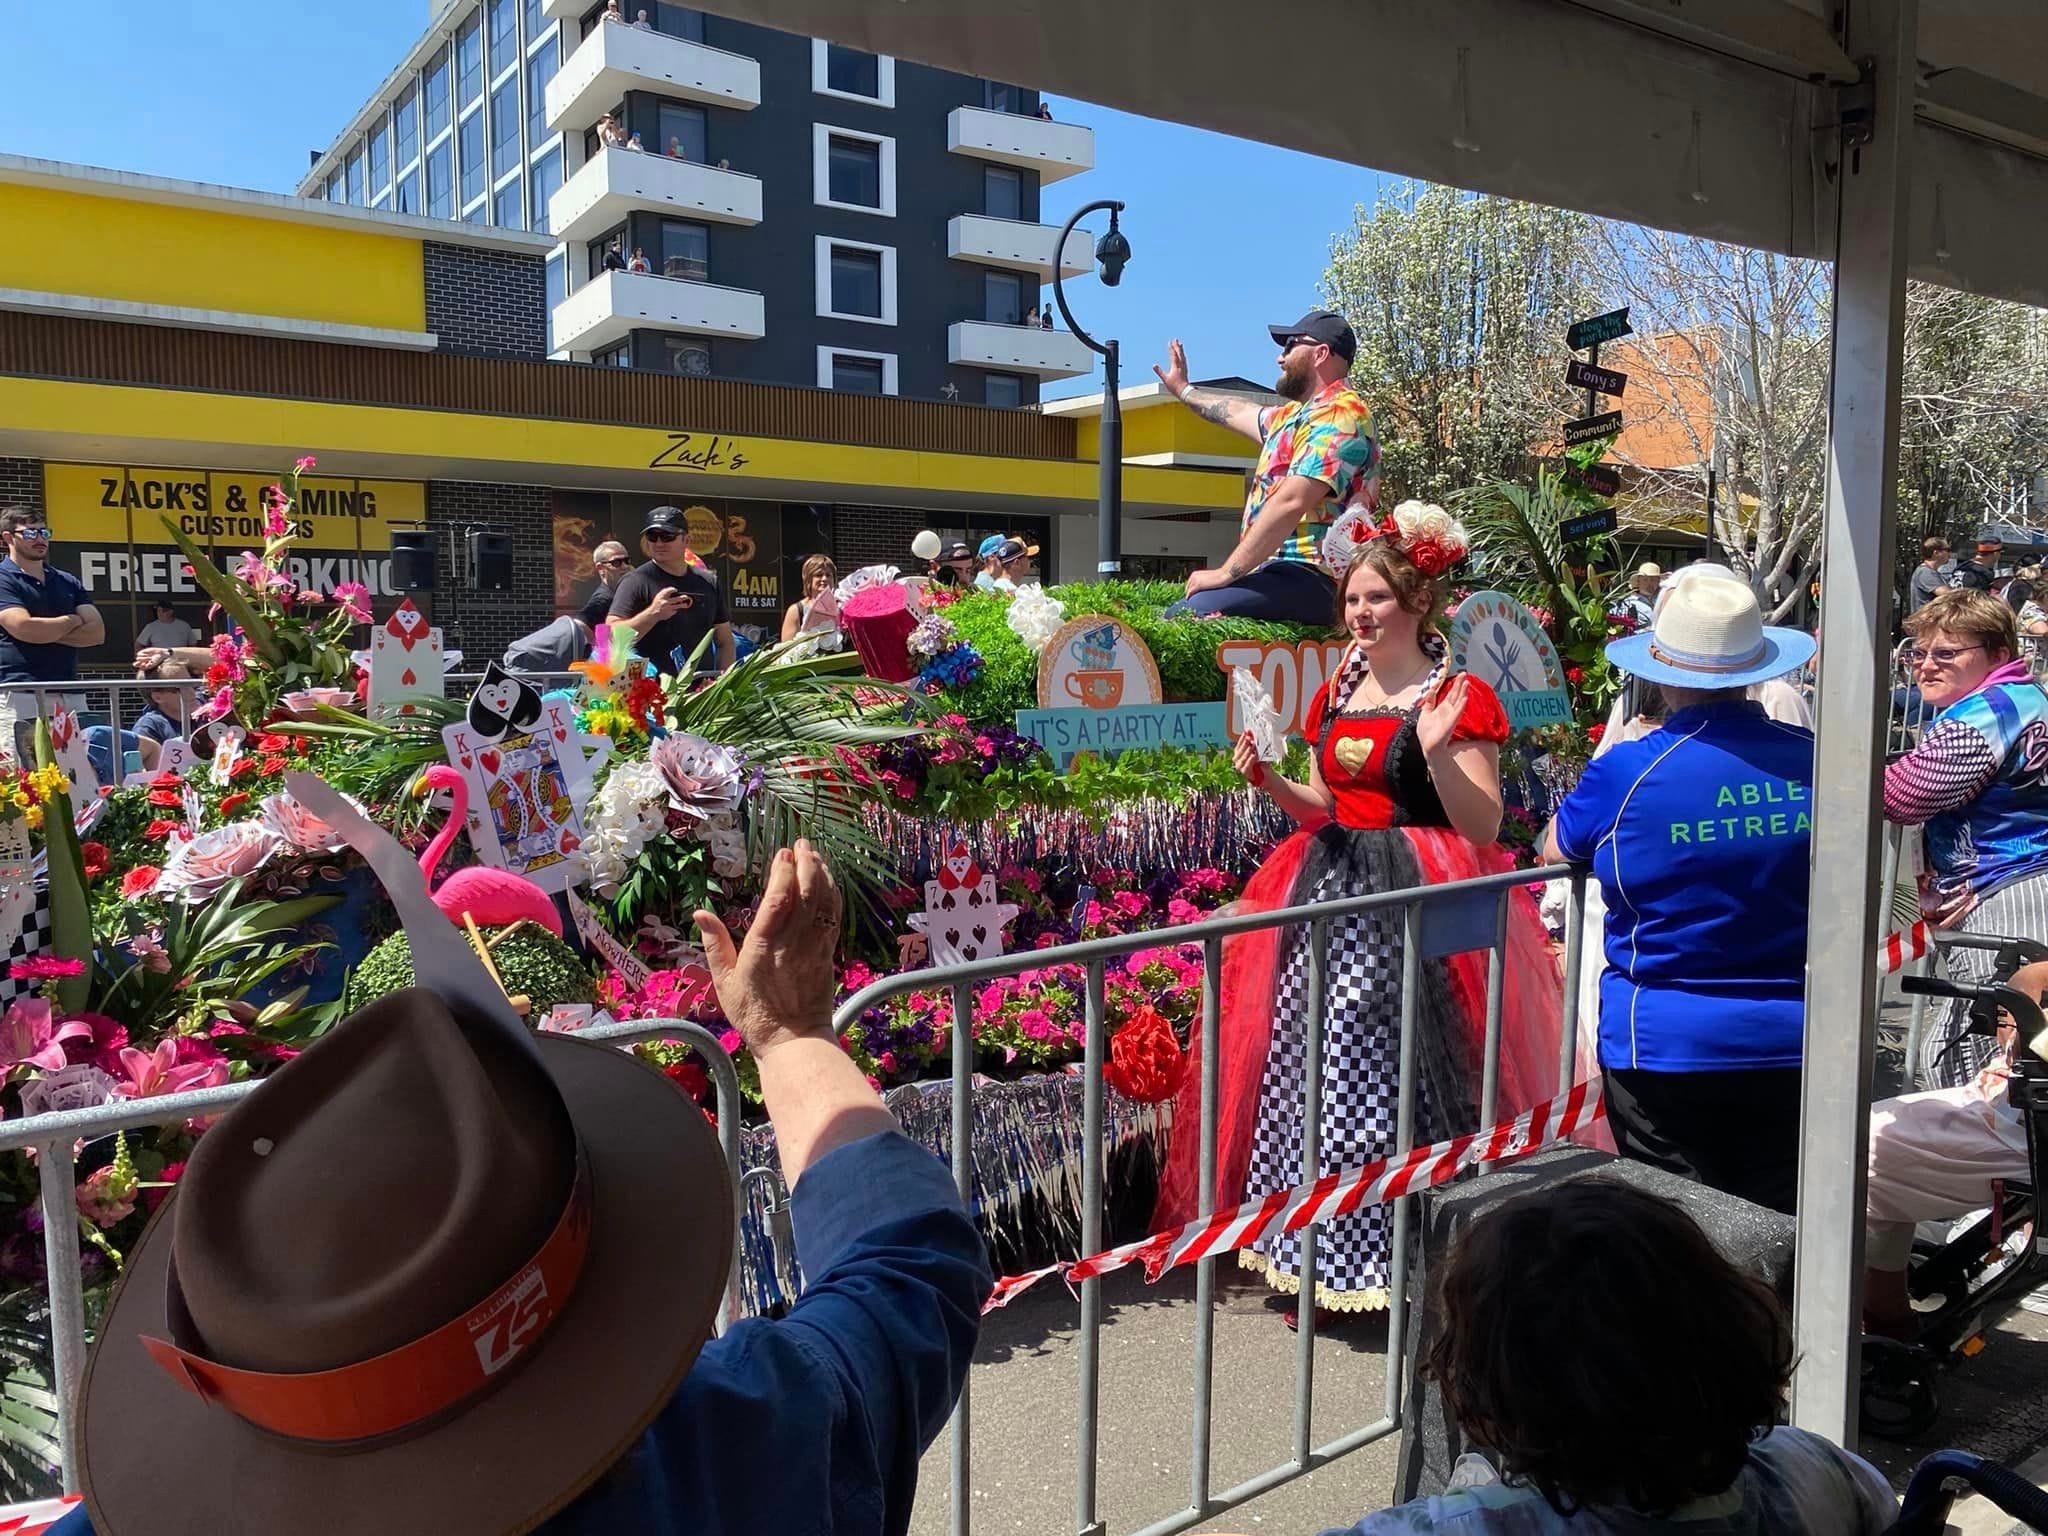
[
  {"x": 1231, "y": 832},
  {"x": 1027, "y": 1142}
]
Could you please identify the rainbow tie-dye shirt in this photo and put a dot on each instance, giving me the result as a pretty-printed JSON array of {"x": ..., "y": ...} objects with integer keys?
[{"x": 1328, "y": 438}]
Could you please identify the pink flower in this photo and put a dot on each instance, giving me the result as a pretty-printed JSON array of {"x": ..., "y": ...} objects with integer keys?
[
  {"x": 1094, "y": 915},
  {"x": 887, "y": 1062},
  {"x": 30, "y": 1036},
  {"x": 215, "y": 708},
  {"x": 107, "y": 1196},
  {"x": 275, "y": 524},
  {"x": 1130, "y": 903},
  {"x": 102, "y": 1046},
  {"x": 1178, "y": 911},
  {"x": 45, "y": 968},
  {"x": 354, "y": 598},
  {"x": 197, "y": 869},
  {"x": 145, "y": 1075},
  {"x": 306, "y": 462},
  {"x": 991, "y": 1000},
  {"x": 1036, "y": 1024},
  {"x": 730, "y": 1042}
]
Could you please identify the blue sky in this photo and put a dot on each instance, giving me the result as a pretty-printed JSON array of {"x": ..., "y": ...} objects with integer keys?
[{"x": 1227, "y": 236}]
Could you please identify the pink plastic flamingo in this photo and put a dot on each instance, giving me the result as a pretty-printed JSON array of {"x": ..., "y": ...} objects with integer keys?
[{"x": 496, "y": 898}]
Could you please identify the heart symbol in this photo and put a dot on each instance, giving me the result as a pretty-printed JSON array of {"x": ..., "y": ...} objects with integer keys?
[
  {"x": 1351, "y": 754},
  {"x": 467, "y": 760},
  {"x": 560, "y": 734},
  {"x": 571, "y": 842},
  {"x": 489, "y": 760},
  {"x": 408, "y": 677}
]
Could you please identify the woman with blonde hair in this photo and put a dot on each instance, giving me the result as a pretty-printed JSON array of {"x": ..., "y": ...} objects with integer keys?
[
  {"x": 817, "y": 611},
  {"x": 1403, "y": 791}
]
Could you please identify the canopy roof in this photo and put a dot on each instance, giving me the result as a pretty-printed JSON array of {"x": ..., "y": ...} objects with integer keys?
[{"x": 1710, "y": 117}]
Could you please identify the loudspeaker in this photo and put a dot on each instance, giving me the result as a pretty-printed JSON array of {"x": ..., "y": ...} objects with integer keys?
[
  {"x": 412, "y": 560},
  {"x": 488, "y": 560},
  {"x": 1749, "y": 1236}
]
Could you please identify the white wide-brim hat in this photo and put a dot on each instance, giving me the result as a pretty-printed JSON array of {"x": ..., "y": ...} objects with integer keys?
[{"x": 1710, "y": 633}]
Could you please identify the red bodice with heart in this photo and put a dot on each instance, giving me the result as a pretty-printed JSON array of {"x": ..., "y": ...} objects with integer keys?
[{"x": 1372, "y": 760}]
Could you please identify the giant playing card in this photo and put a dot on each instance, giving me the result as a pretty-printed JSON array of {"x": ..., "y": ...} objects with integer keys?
[
  {"x": 962, "y": 919},
  {"x": 527, "y": 771},
  {"x": 406, "y": 662}
]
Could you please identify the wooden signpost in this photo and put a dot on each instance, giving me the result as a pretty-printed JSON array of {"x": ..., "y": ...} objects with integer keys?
[
  {"x": 1594, "y": 379},
  {"x": 1590, "y": 525},
  {"x": 1588, "y": 428}
]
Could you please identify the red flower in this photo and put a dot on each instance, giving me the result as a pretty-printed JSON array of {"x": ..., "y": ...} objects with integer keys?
[
  {"x": 1595, "y": 731},
  {"x": 1146, "y": 1063},
  {"x": 272, "y": 765},
  {"x": 271, "y": 742},
  {"x": 140, "y": 880},
  {"x": 229, "y": 804},
  {"x": 161, "y": 829},
  {"x": 688, "y": 1075},
  {"x": 1574, "y": 675},
  {"x": 168, "y": 798},
  {"x": 152, "y": 1198},
  {"x": 96, "y": 859},
  {"x": 218, "y": 676},
  {"x": 244, "y": 766}
]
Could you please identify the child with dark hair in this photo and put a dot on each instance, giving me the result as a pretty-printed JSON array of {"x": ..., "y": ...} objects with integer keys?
[{"x": 1625, "y": 1379}]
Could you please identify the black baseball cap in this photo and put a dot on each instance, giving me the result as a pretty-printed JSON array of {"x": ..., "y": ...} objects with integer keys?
[
  {"x": 1320, "y": 325},
  {"x": 956, "y": 549},
  {"x": 665, "y": 520}
]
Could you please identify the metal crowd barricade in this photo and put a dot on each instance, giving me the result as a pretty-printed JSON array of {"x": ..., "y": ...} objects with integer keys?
[
  {"x": 52, "y": 1137},
  {"x": 112, "y": 701},
  {"x": 1438, "y": 920}
]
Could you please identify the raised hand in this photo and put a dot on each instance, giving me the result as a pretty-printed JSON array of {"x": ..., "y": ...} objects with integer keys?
[
  {"x": 778, "y": 985},
  {"x": 1245, "y": 759},
  {"x": 1175, "y": 374},
  {"x": 1437, "y": 722}
]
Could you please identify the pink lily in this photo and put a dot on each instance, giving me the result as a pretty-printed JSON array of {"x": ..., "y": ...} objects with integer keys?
[
  {"x": 305, "y": 463},
  {"x": 30, "y": 1036},
  {"x": 149, "y": 1073}
]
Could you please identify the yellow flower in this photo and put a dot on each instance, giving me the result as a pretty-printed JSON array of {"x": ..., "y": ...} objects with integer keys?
[{"x": 35, "y": 817}]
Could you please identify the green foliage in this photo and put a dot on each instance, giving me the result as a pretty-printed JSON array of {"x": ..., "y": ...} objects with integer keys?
[
  {"x": 70, "y": 909},
  {"x": 28, "y": 1403},
  {"x": 1184, "y": 648},
  {"x": 531, "y": 961}
]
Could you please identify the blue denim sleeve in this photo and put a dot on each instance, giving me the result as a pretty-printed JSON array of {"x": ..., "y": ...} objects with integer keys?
[{"x": 816, "y": 1422}]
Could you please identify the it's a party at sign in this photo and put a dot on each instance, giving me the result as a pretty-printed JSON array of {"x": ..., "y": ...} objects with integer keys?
[{"x": 1099, "y": 688}]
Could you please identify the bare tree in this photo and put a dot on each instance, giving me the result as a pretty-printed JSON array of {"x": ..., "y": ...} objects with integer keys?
[
  {"x": 1460, "y": 303},
  {"x": 1729, "y": 372}
]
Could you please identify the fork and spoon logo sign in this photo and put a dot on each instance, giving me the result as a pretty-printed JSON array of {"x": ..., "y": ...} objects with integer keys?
[{"x": 1498, "y": 641}]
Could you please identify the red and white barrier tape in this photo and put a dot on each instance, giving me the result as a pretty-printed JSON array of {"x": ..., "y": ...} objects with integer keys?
[
  {"x": 33, "y": 1519},
  {"x": 1332, "y": 1196},
  {"x": 1906, "y": 945}
]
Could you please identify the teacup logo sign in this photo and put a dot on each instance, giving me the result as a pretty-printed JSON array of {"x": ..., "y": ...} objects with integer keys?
[
  {"x": 1499, "y": 642},
  {"x": 1096, "y": 663}
]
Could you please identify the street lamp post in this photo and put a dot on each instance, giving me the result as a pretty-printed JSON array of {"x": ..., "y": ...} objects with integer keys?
[{"x": 1111, "y": 252}]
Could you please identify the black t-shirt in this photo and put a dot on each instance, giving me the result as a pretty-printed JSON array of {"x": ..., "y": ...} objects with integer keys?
[
  {"x": 681, "y": 630},
  {"x": 1968, "y": 573},
  {"x": 597, "y": 607}
]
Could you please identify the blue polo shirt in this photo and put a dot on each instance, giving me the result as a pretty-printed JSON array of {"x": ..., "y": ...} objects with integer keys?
[
  {"x": 58, "y": 595},
  {"x": 1699, "y": 835}
]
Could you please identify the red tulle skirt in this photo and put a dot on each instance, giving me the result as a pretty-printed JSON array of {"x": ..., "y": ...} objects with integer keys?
[{"x": 1530, "y": 1015}]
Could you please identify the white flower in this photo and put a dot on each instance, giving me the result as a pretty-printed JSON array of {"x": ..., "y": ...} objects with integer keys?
[
  {"x": 299, "y": 827},
  {"x": 1426, "y": 520},
  {"x": 1035, "y": 616},
  {"x": 630, "y": 808}
]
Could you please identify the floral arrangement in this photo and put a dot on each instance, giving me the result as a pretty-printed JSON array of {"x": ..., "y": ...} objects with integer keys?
[
  {"x": 946, "y": 662},
  {"x": 287, "y": 637},
  {"x": 1035, "y": 616}
]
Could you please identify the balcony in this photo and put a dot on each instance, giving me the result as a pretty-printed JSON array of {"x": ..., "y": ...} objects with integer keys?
[
  {"x": 600, "y": 195},
  {"x": 1014, "y": 244},
  {"x": 1017, "y": 349},
  {"x": 604, "y": 310},
  {"x": 566, "y": 10},
  {"x": 616, "y": 59},
  {"x": 1054, "y": 150}
]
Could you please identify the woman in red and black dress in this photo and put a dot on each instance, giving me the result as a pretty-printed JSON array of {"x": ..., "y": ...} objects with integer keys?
[{"x": 1404, "y": 791}]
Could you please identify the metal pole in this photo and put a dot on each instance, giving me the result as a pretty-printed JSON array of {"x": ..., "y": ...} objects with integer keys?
[
  {"x": 1496, "y": 985},
  {"x": 1311, "y": 1169},
  {"x": 1109, "y": 562},
  {"x": 1205, "y": 1270},
  {"x": 1087, "y": 1428},
  {"x": 960, "y": 1450},
  {"x": 1404, "y": 1143},
  {"x": 1841, "y": 984},
  {"x": 59, "y": 1176}
]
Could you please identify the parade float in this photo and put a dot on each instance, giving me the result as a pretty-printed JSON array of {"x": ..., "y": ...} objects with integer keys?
[{"x": 986, "y": 772}]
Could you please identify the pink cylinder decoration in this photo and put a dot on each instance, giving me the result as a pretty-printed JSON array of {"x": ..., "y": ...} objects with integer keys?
[{"x": 879, "y": 621}]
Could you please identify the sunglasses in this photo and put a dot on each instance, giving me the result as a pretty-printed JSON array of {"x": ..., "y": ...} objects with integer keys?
[
  {"x": 1299, "y": 341},
  {"x": 621, "y": 560},
  {"x": 660, "y": 535},
  {"x": 30, "y": 533}
]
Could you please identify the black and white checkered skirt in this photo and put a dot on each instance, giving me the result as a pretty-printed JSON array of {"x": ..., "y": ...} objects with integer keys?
[{"x": 1360, "y": 1069}]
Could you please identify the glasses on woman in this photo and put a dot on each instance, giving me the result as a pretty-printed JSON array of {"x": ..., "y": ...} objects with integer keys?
[{"x": 1940, "y": 655}]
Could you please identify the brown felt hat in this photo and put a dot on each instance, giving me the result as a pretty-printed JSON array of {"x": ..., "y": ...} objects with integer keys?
[{"x": 437, "y": 1274}]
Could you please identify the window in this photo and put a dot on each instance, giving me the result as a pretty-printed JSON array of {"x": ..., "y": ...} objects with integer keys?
[
  {"x": 558, "y": 281},
  {"x": 437, "y": 94},
  {"x": 475, "y": 215},
  {"x": 852, "y": 72},
  {"x": 337, "y": 187},
  {"x": 504, "y": 35},
  {"x": 440, "y": 181},
  {"x": 405, "y": 120},
  {"x": 687, "y": 357},
  {"x": 543, "y": 182},
  {"x": 355, "y": 177},
  {"x": 682, "y": 250},
  {"x": 380, "y": 159},
  {"x": 540, "y": 69},
  {"x": 1005, "y": 98},
  {"x": 676, "y": 20},
  {"x": 1002, "y": 192},
  {"x": 536, "y": 23},
  {"x": 857, "y": 76},
  {"x": 469, "y": 139},
  {"x": 405, "y": 192},
  {"x": 1002, "y": 389},
  {"x": 505, "y": 127},
  {"x": 853, "y": 170},
  {"x": 508, "y": 205},
  {"x": 856, "y": 281},
  {"x": 856, "y": 373},
  {"x": 469, "y": 62},
  {"x": 1002, "y": 298},
  {"x": 614, "y": 357},
  {"x": 684, "y": 128},
  {"x": 603, "y": 242}
]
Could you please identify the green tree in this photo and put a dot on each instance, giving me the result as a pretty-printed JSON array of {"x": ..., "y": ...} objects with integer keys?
[{"x": 1460, "y": 302}]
